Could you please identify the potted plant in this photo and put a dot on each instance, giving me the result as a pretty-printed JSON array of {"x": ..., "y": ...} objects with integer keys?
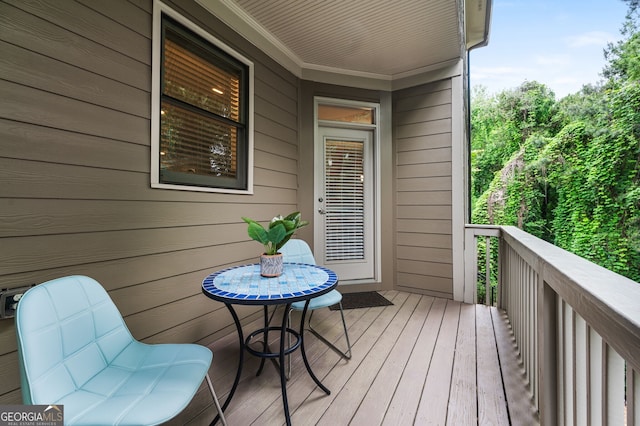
[{"x": 273, "y": 237}]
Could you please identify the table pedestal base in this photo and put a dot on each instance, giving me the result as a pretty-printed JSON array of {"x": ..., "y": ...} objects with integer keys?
[{"x": 266, "y": 353}]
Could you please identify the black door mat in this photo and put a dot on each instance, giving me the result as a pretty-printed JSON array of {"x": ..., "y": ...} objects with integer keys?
[{"x": 363, "y": 299}]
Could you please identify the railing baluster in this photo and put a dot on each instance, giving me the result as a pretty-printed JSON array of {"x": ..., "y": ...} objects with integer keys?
[
  {"x": 487, "y": 275},
  {"x": 575, "y": 326},
  {"x": 633, "y": 397},
  {"x": 580, "y": 368},
  {"x": 615, "y": 388},
  {"x": 597, "y": 374}
]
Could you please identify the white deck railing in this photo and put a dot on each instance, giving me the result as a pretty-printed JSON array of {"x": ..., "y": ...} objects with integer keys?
[{"x": 577, "y": 326}]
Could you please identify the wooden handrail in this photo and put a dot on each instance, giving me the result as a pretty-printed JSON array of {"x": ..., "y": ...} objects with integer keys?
[
  {"x": 608, "y": 302},
  {"x": 577, "y": 326}
]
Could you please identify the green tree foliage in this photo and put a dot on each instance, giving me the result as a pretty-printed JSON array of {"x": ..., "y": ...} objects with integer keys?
[
  {"x": 567, "y": 171},
  {"x": 500, "y": 125}
]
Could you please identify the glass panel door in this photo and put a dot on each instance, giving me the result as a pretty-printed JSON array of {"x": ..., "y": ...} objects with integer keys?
[{"x": 345, "y": 203}]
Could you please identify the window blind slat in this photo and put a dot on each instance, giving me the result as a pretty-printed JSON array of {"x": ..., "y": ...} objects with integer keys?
[{"x": 344, "y": 200}]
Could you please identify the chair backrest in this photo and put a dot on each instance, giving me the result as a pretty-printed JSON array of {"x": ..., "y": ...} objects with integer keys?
[
  {"x": 297, "y": 251},
  {"x": 68, "y": 330}
]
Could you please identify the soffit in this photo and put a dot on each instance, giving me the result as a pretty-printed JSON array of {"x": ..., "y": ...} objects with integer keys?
[{"x": 379, "y": 39}]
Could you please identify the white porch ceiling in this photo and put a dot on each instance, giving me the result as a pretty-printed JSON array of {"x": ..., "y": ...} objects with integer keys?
[{"x": 372, "y": 39}]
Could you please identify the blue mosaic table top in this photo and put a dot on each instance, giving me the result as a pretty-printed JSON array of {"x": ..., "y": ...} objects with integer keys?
[{"x": 245, "y": 285}]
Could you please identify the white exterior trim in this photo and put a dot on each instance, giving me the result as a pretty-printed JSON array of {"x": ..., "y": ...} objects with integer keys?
[
  {"x": 458, "y": 184},
  {"x": 377, "y": 128},
  {"x": 156, "y": 56}
]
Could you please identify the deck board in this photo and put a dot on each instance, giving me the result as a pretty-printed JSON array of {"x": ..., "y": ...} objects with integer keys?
[
  {"x": 463, "y": 406},
  {"x": 422, "y": 360}
]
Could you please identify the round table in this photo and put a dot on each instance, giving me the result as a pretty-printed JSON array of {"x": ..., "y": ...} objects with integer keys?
[{"x": 243, "y": 285}]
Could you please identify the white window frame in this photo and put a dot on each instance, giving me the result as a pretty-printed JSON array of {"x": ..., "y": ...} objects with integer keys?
[{"x": 159, "y": 9}]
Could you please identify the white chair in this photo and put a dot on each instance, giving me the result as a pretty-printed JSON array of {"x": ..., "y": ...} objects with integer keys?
[
  {"x": 298, "y": 251},
  {"x": 74, "y": 349}
]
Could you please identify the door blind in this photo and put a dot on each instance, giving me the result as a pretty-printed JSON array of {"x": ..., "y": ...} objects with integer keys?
[{"x": 344, "y": 200}]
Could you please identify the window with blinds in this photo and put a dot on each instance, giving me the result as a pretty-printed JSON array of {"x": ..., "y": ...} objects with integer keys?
[
  {"x": 344, "y": 200},
  {"x": 203, "y": 112}
]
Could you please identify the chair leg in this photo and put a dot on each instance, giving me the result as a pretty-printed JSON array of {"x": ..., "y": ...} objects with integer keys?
[
  {"x": 215, "y": 401},
  {"x": 347, "y": 353}
]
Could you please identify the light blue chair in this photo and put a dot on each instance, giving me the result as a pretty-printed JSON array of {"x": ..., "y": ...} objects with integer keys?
[
  {"x": 298, "y": 251},
  {"x": 75, "y": 350}
]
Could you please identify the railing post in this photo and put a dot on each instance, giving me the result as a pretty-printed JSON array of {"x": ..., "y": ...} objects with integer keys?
[
  {"x": 470, "y": 267},
  {"x": 547, "y": 353}
]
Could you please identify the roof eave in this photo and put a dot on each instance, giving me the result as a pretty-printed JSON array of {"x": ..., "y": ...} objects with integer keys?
[{"x": 477, "y": 22}]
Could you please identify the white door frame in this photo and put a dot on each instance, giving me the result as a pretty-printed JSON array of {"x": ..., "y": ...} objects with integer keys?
[{"x": 319, "y": 170}]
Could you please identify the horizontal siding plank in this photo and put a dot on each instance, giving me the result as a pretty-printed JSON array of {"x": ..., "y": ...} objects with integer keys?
[
  {"x": 128, "y": 272},
  {"x": 441, "y": 140},
  {"x": 426, "y": 157},
  {"x": 46, "y": 109},
  {"x": 23, "y": 67},
  {"x": 270, "y": 73},
  {"x": 32, "y": 33},
  {"x": 54, "y": 251},
  {"x": 273, "y": 161},
  {"x": 424, "y": 212},
  {"x": 423, "y": 240},
  {"x": 424, "y": 129},
  {"x": 438, "y": 183},
  {"x": 425, "y": 253},
  {"x": 425, "y": 283},
  {"x": 8, "y": 341},
  {"x": 86, "y": 23},
  {"x": 46, "y": 217},
  {"x": 276, "y": 179},
  {"x": 424, "y": 170},
  {"x": 162, "y": 318},
  {"x": 9, "y": 372},
  {"x": 264, "y": 125},
  {"x": 424, "y": 226},
  {"x": 149, "y": 295},
  {"x": 424, "y": 89},
  {"x": 48, "y": 145},
  {"x": 273, "y": 95},
  {"x": 125, "y": 13},
  {"x": 419, "y": 267},
  {"x": 270, "y": 144},
  {"x": 423, "y": 198},
  {"x": 275, "y": 113},
  {"x": 41, "y": 180},
  {"x": 424, "y": 99},
  {"x": 430, "y": 113}
]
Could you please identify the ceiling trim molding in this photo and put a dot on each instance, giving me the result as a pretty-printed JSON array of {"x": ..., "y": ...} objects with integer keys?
[{"x": 251, "y": 30}]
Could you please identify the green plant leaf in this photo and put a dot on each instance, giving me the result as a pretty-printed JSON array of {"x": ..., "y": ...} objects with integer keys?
[{"x": 258, "y": 233}]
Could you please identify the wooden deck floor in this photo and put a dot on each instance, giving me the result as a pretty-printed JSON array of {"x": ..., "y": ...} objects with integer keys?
[{"x": 420, "y": 361}]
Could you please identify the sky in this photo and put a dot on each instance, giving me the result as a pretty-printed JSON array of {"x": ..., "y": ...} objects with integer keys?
[{"x": 556, "y": 42}]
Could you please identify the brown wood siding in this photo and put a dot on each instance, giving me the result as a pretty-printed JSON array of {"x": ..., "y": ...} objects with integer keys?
[
  {"x": 422, "y": 138},
  {"x": 75, "y": 195}
]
